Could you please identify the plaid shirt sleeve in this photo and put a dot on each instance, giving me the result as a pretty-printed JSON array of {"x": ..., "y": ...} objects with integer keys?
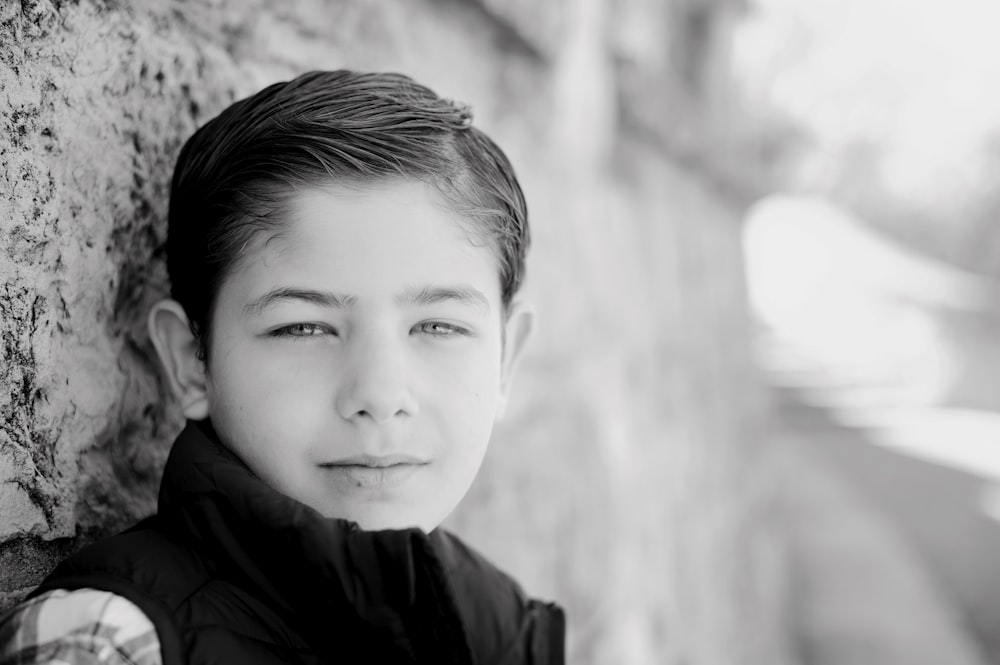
[{"x": 81, "y": 627}]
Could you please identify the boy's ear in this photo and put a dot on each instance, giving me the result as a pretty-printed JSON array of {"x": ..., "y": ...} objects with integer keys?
[
  {"x": 517, "y": 330},
  {"x": 177, "y": 348}
]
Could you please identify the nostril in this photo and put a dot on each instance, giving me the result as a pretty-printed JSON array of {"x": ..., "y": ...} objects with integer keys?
[{"x": 366, "y": 414}]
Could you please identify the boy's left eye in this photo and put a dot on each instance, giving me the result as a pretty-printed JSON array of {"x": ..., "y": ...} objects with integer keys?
[
  {"x": 440, "y": 329},
  {"x": 302, "y": 330}
]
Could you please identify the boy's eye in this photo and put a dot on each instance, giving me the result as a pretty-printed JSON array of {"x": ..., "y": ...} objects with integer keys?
[
  {"x": 440, "y": 329},
  {"x": 303, "y": 330}
]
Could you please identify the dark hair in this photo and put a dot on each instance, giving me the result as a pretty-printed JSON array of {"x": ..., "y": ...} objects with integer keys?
[{"x": 235, "y": 173}]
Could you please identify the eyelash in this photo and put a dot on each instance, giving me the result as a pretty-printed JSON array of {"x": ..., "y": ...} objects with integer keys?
[
  {"x": 315, "y": 330},
  {"x": 451, "y": 329}
]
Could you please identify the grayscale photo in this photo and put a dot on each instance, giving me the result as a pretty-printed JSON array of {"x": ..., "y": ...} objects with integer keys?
[{"x": 497, "y": 332}]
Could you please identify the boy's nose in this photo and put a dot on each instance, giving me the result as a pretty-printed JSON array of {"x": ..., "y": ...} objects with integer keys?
[{"x": 375, "y": 386}]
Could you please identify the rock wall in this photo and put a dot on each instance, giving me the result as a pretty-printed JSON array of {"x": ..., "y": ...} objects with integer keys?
[{"x": 630, "y": 480}]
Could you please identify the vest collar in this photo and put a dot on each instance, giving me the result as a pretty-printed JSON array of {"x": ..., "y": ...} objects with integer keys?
[{"x": 391, "y": 592}]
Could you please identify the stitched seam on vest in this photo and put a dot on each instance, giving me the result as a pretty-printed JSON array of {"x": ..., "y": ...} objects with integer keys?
[
  {"x": 309, "y": 650},
  {"x": 187, "y": 599}
]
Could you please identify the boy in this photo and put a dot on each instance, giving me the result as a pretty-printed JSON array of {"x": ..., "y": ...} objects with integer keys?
[{"x": 344, "y": 250}]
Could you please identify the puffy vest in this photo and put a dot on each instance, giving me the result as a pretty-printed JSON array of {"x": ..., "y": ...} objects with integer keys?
[{"x": 231, "y": 571}]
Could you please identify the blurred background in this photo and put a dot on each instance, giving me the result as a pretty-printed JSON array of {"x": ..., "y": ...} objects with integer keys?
[
  {"x": 872, "y": 275},
  {"x": 758, "y": 422}
]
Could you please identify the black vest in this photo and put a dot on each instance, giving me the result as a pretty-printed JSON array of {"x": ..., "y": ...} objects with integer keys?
[{"x": 231, "y": 571}]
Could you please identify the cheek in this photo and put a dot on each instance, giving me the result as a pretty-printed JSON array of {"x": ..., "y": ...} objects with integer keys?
[
  {"x": 468, "y": 373},
  {"x": 465, "y": 393},
  {"x": 266, "y": 392}
]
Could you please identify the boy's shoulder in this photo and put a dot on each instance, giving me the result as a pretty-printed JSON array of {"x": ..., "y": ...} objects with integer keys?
[
  {"x": 143, "y": 565},
  {"x": 522, "y": 628},
  {"x": 176, "y": 587}
]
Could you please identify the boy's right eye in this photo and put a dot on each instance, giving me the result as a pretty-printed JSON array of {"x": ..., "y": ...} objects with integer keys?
[{"x": 303, "y": 330}]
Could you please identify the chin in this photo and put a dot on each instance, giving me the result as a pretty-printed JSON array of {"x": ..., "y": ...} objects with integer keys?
[
  {"x": 391, "y": 524},
  {"x": 387, "y": 520}
]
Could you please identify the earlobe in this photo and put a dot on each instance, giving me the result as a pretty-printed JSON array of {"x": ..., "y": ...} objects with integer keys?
[
  {"x": 517, "y": 330},
  {"x": 177, "y": 349}
]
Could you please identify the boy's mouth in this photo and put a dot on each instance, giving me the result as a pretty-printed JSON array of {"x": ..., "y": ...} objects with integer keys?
[{"x": 374, "y": 472}]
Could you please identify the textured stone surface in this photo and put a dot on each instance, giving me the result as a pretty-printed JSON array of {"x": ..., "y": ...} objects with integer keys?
[{"x": 630, "y": 480}]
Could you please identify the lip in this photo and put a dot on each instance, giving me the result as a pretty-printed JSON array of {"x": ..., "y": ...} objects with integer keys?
[
  {"x": 376, "y": 461},
  {"x": 373, "y": 472}
]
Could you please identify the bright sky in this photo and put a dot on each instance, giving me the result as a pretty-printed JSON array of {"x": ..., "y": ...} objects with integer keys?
[{"x": 916, "y": 78}]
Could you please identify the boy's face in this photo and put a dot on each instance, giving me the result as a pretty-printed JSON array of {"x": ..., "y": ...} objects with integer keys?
[{"x": 357, "y": 360}]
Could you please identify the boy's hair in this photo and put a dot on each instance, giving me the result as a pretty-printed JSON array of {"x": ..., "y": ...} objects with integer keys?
[{"x": 234, "y": 175}]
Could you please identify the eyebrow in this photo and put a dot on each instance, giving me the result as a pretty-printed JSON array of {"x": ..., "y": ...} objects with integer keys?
[
  {"x": 426, "y": 295},
  {"x": 322, "y": 298}
]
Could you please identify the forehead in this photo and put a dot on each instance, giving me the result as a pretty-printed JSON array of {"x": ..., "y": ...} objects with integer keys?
[{"x": 370, "y": 236}]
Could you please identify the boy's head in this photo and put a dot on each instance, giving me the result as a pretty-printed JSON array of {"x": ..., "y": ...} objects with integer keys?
[{"x": 344, "y": 250}]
